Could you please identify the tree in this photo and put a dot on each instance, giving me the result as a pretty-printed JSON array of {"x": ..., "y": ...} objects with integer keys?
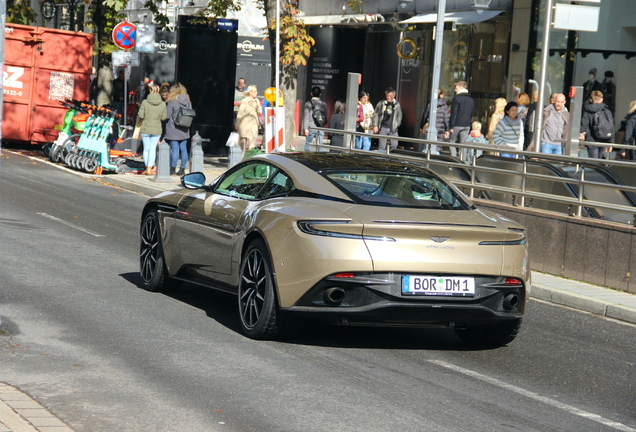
[
  {"x": 103, "y": 16},
  {"x": 20, "y": 12}
]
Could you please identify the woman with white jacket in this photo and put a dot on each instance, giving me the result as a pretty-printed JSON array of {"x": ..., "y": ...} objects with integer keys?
[{"x": 509, "y": 131}]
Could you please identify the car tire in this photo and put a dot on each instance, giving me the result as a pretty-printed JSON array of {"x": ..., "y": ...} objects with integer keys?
[
  {"x": 258, "y": 306},
  {"x": 152, "y": 265},
  {"x": 490, "y": 335}
]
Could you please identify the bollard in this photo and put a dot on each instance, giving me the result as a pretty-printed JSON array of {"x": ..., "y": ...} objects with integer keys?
[
  {"x": 196, "y": 154},
  {"x": 234, "y": 155},
  {"x": 163, "y": 164}
]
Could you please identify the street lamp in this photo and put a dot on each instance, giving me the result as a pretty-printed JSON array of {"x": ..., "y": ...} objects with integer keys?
[
  {"x": 48, "y": 9},
  {"x": 72, "y": 5},
  {"x": 480, "y": 5}
]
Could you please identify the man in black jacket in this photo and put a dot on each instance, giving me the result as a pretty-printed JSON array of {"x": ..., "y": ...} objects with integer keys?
[
  {"x": 461, "y": 116},
  {"x": 590, "y": 126}
]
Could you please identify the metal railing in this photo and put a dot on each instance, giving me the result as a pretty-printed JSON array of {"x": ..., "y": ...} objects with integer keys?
[{"x": 524, "y": 158}]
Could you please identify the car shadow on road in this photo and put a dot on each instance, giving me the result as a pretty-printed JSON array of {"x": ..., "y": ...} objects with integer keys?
[
  {"x": 222, "y": 307},
  {"x": 217, "y": 305},
  {"x": 430, "y": 339}
]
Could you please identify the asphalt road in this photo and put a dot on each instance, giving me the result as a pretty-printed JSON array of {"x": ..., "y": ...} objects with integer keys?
[{"x": 81, "y": 337}]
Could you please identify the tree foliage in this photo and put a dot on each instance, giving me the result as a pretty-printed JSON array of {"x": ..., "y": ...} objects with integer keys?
[
  {"x": 103, "y": 16},
  {"x": 20, "y": 12}
]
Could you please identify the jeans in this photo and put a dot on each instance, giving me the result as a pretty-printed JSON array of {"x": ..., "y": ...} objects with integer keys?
[
  {"x": 382, "y": 141},
  {"x": 509, "y": 155},
  {"x": 556, "y": 149},
  {"x": 595, "y": 152},
  {"x": 310, "y": 138},
  {"x": 150, "y": 148},
  {"x": 363, "y": 142},
  {"x": 463, "y": 132},
  {"x": 473, "y": 154},
  {"x": 175, "y": 147}
]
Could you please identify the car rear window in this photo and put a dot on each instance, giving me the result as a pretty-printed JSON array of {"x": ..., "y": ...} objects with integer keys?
[{"x": 396, "y": 189}]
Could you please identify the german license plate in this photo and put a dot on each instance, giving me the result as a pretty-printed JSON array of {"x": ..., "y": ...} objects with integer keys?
[{"x": 438, "y": 286}]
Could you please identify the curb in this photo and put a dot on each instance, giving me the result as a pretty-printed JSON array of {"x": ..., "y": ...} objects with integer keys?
[
  {"x": 19, "y": 412},
  {"x": 581, "y": 302},
  {"x": 133, "y": 186}
]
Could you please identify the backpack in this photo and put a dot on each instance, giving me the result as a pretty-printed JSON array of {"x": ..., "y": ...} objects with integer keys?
[
  {"x": 184, "y": 117},
  {"x": 603, "y": 124},
  {"x": 319, "y": 116}
]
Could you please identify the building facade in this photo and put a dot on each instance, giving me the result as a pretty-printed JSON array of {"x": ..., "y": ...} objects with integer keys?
[{"x": 495, "y": 50}]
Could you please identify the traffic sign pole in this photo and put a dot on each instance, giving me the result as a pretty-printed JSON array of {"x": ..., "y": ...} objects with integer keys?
[{"x": 124, "y": 38}]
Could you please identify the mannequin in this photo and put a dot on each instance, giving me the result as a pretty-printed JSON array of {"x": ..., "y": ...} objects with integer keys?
[
  {"x": 589, "y": 86},
  {"x": 608, "y": 88}
]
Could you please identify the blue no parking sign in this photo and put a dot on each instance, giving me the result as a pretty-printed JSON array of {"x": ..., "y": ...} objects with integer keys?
[{"x": 124, "y": 35}]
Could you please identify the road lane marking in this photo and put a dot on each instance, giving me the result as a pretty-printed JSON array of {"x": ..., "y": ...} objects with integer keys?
[
  {"x": 71, "y": 225},
  {"x": 532, "y": 395}
]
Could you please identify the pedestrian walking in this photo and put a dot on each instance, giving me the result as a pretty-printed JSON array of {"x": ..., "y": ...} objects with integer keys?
[
  {"x": 597, "y": 125},
  {"x": 528, "y": 124},
  {"x": 151, "y": 112},
  {"x": 442, "y": 122},
  {"x": 119, "y": 93},
  {"x": 315, "y": 115},
  {"x": 500, "y": 104},
  {"x": 509, "y": 131},
  {"x": 239, "y": 95},
  {"x": 629, "y": 124},
  {"x": 555, "y": 124},
  {"x": 364, "y": 121},
  {"x": 387, "y": 118},
  {"x": 177, "y": 136},
  {"x": 461, "y": 117},
  {"x": 475, "y": 137},
  {"x": 337, "y": 121},
  {"x": 247, "y": 119}
]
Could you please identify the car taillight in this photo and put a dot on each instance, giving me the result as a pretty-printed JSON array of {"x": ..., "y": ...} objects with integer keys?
[
  {"x": 513, "y": 281},
  {"x": 344, "y": 275}
]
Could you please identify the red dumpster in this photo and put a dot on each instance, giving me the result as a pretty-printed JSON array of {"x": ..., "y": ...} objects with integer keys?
[{"x": 41, "y": 67}]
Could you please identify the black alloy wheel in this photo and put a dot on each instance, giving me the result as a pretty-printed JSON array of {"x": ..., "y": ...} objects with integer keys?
[
  {"x": 258, "y": 308},
  {"x": 152, "y": 266}
]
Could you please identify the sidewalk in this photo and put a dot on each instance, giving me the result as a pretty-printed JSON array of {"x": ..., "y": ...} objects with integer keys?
[{"x": 20, "y": 413}]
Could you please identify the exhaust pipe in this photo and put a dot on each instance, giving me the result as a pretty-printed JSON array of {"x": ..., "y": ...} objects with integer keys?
[
  {"x": 333, "y": 296},
  {"x": 510, "y": 301}
]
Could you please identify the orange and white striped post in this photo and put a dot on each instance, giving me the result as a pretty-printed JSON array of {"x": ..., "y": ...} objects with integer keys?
[{"x": 274, "y": 122}]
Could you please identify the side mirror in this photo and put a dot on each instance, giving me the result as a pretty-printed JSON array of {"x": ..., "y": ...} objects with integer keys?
[{"x": 194, "y": 180}]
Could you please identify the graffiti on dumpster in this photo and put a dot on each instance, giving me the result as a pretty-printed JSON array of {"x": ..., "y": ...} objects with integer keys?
[
  {"x": 61, "y": 86},
  {"x": 12, "y": 81}
]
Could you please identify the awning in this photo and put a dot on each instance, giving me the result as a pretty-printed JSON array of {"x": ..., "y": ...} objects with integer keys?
[
  {"x": 341, "y": 19},
  {"x": 467, "y": 17}
]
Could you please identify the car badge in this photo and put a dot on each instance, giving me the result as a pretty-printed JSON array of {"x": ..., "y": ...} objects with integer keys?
[{"x": 437, "y": 239}]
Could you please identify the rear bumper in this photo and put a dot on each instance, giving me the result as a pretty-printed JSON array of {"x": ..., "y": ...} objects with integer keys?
[{"x": 376, "y": 299}]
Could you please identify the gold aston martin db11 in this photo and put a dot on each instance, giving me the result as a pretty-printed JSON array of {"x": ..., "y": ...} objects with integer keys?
[{"x": 346, "y": 238}]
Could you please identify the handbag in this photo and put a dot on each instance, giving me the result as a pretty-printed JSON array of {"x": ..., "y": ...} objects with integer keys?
[
  {"x": 184, "y": 117},
  {"x": 232, "y": 140}
]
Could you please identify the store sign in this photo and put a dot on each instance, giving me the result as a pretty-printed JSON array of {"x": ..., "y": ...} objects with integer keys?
[
  {"x": 124, "y": 58},
  {"x": 145, "y": 38},
  {"x": 576, "y": 17},
  {"x": 247, "y": 46}
]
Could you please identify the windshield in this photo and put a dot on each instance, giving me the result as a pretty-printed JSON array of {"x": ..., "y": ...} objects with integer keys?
[{"x": 397, "y": 190}]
